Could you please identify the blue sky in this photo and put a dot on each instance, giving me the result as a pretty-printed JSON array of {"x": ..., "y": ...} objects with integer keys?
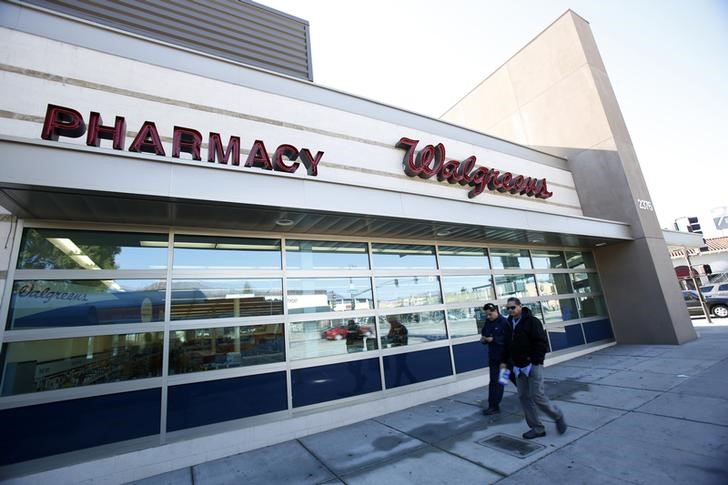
[{"x": 667, "y": 61}]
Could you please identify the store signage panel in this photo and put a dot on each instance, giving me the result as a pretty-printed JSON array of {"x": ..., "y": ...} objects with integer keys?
[
  {"x": 62, "y": 121},
  {"x": 431, "y": 161}
]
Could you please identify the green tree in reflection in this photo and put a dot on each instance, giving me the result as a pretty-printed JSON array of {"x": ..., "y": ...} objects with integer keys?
[{"x": 38, "y": 252}]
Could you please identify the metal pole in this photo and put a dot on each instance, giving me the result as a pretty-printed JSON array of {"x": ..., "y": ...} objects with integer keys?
[{"x": 697, "y": 288}]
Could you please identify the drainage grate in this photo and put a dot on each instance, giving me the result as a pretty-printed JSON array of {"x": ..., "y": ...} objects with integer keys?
[{"x": 511, "y": 445}]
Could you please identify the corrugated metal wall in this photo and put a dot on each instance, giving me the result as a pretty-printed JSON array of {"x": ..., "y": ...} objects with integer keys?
[{"x": 239, "y": 30}]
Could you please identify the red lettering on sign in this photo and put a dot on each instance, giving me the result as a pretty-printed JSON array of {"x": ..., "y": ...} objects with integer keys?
[
  {"x": 62, "y": 121},
  {"x": 147, "y": 140},
  {"x": 97, "y": 131},
  {"x": 186, "y": 140},
  {"x": 215, "y": 151}
]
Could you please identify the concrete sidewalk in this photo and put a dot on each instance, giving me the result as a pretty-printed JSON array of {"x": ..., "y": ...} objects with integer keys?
[{"x": 636, "y": 413}]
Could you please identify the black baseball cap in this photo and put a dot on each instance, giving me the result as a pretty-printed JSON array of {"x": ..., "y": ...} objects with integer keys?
[{"x": 490, "y": 306}]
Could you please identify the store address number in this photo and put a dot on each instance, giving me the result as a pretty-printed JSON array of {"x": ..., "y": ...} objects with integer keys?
[{"x": 645, "y": 205}]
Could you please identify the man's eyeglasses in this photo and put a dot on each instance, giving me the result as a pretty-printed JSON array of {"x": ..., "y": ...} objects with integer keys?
[{"x": 511, "y": 307}]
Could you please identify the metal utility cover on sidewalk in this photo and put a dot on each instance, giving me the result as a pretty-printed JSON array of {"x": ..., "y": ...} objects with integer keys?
[{"x": 511, "y": 445}]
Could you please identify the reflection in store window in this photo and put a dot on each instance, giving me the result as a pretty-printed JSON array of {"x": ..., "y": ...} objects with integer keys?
[
  {"x": 321, "y": 338},
  {"x": 543, "y": 259},
  {"x": 326, "y": 255},
  {"x": 580, "y": 259},
  {"x": 93, "y": 250},
  {"x": 205, "y": 252},
  {"x": 506, "y": 258},
  {"x": 586, "y": 283},
  {"x": 467, "y": 288},
  {"x": 403, "y": 256},
  {"x": 402, "y": 291},
  {"x": 223, "y": 348},
  {"x": 559, "y": 310},
  {"x": 411, "y": 328},
  {"x": 44, "y": 365},
  {"x": 592, "y": 306},
  {"x": 466, "y": 321},
  {"x": 519, "y": 286},
  {"x": 311, "y": 295},
  {"x": 553, "y": 284},
  {"x": 69, "y": 303},
  {"x": 463, "y": 257},
  {"x": 195, "y": 299}
]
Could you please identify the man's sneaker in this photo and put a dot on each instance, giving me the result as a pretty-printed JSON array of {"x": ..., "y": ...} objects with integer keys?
[
  {"x": 491, "y": 411},
  {"x": 531, "y": 434},
  {"x": 561, "y": 425}
]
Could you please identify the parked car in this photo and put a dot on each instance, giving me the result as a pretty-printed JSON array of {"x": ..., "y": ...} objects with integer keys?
[
  {"x": 340, "y": 332},
  {"x": 718, "y": 305},
  {"x": 715, "y": 289}
]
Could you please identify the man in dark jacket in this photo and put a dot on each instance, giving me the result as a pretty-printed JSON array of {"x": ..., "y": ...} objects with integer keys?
[
  {"x": 492, "y": 336},
  {"x": 525, "y": 348}
]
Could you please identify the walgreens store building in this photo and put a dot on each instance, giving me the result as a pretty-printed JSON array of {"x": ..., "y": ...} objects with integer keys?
[{"x": 204, "y": 256}]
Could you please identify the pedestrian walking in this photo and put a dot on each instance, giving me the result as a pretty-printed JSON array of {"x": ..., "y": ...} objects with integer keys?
[
  {"x": 492, "y": 335},
  {"x": 524, "y": 352}
]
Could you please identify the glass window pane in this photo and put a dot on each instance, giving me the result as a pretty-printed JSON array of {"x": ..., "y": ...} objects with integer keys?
[
  {"x": 320, "y": 338},
  {"x": 580, "y": 259},
  {"x": 592, "y": 306},
  {"x": 310, "y": 295},
  {"x": 468, "y": 288},
  {"x": 65, "y": 249},
  {"x": 203, "y": 252},
  {"x": 548, "y": 259},
  {"x": 463, "y": 257},
  {"x": 519, "y": 286},
  {"x": 559, "y": 310},
  {"x": 403, "y": 256},
  {"x": 68, "y": 303},
  {"x": 403, "y": 291},
  {"x": 44, "y": 365},
  {"x": 411, "y": 328},
  {"x": 586, "y": 282},
  {"x": 466, "y": 321},
  {"x": 193, "y": 299},
  {"x": 222, "y": 348},
  {"x": 506, "y": 258},
  {"x": 553, "y": 284},
  {"x": 326, "y": 255}
]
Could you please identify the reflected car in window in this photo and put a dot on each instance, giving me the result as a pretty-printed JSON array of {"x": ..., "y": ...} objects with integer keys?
[
  {"x": 341, "y": 332},
  {"x": 718, "y": 306}
]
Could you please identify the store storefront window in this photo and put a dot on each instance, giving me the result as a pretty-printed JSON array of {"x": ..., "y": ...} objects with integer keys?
[
  {"x": 411, "y": 328},
  {"x": 326, "y": 255},
  {"x": 223, "y": 348},
  {"x": 586, "y": 282},
  {"x": 592, "y": 306},
  {"x": 70, "y": 303},
  {"x": 311, "y": 295},
  {"x": 559, "y": 310},
  {"x": 463, "y": 257},
  {"x": 45, "y": 365},
  {"x": 507, "y": 258},
  {"x": 403, "y": 256},
  {"x": 468, "y": 288},
  {"x": 466, "y": 321},
  {"x": 519, "y": 286},
  {"x": 196, "y": 299},
  {"x": 321, "y": 338},
  {"x": 403, "y": 291},
  {"x": 92, "y": 250},
  {"x": 580, "y": 259},
  {"x": 553, "y": 284},
  {"x": 203, "y": 252},
  {"x": 548, "y": 259}
]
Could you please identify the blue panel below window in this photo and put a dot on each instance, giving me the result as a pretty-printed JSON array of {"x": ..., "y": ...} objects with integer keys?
[
  {"x": 335, "y": 381},
  {"x": 570, "y": 337},
  {"x": 470, "y": 356},
  {"x": 208, "y": 402},
  {"x": 403, "y": 369},
  {"x": 599, "y": 330},
  {"x": 47, "y": 429}
]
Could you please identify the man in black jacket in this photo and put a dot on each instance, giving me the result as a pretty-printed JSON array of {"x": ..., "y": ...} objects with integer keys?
[
  {"x": 492, "y": 336},
  {"x": 525, "y": 349}
]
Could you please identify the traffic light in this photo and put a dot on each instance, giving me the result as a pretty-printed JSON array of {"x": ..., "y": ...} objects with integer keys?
[
  {"x": 694, "y": 225},
  {"x": 707, "y": 269}
]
